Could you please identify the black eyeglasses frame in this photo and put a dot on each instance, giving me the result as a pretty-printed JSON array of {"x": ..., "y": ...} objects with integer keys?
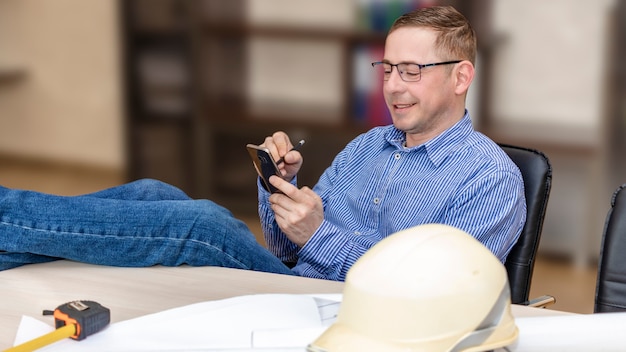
[{"x": 420, "y": 66}]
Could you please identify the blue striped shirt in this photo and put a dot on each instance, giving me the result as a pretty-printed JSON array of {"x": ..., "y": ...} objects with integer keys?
[{"x": 376, "y": 187}]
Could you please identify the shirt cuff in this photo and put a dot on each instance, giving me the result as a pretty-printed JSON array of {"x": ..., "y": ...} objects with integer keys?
[{"x": 326, "y": 249}]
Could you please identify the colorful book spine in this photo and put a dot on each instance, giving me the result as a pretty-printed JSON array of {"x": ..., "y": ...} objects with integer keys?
[
  {"x": 379, "y": 15},
  {"x": 369, "y": 107}
]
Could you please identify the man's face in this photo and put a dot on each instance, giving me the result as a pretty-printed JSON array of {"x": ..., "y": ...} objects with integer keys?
[{"x": 424, "y": 108}]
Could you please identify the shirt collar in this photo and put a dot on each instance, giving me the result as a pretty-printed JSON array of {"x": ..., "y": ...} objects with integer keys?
[{"x": 442, "y": 145}]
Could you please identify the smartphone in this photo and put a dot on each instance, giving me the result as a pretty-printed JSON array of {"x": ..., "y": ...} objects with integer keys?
[{"x": 264, "y": 164}]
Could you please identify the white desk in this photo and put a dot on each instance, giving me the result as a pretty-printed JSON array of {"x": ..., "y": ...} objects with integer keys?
[{"x": 133, "y": 292}]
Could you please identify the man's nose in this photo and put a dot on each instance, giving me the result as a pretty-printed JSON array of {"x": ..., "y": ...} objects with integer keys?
[{"x": 395, "y": 81}]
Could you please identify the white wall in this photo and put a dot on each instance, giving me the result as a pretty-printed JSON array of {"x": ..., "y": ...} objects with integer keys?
[
  {"x": 67, "y": 107},
  {"x": 550, "y": 80},
  {"x": 549, "y": 65}
]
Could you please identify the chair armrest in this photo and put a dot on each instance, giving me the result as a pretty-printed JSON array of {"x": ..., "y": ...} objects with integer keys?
[{"x": 540, "y": 302}]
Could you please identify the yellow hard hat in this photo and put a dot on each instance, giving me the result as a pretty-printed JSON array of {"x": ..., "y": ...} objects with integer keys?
[{"x": 428, "y": 288}]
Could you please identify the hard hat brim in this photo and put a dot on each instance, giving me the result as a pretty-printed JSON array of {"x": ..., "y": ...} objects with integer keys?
[{"x": 339, "y": 338}]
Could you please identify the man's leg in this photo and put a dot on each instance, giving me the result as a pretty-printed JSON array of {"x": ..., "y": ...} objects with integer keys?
[
  {"x": 144, "y": 189},
  {"x": 37, "y": 227}
]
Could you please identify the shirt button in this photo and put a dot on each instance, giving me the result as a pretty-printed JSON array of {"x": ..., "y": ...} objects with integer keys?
[
  {"x": 376, "y": 200},
  {"x": 357, "y": 232},
  {"x": 397, "y": 156}
]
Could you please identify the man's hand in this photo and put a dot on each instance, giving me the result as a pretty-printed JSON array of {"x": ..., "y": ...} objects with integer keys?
[
  {"x": 280, "y": 146},
  {"x": 298, "y": 212}
]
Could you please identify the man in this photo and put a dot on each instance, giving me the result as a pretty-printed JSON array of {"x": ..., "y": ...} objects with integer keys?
[{"x": 430, "y": 166}]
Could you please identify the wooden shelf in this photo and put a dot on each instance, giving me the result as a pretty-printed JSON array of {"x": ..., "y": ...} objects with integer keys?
[
  {"x": 293, "y": 32},
  {"x": 210, "y": 48},
  {"x": 566, "y": 139}
]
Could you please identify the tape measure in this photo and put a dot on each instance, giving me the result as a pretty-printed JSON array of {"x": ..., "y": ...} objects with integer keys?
[
  {"x": 76, "y": 320},
  {"x": 88, "y": 316}
]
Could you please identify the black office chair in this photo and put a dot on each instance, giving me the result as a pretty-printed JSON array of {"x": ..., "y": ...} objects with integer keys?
[
  {"x": 537, "y": 174},
  {"x": 611, "y": 282}
]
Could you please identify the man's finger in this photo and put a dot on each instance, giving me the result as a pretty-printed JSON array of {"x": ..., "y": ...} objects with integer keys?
[{"x": 287, "y": 188}]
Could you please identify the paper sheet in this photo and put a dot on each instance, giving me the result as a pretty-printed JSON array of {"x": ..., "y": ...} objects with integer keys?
[
  {"x": 572, "y": 333},
  {"x": 285, "y": 323},
  {"x": 274, "y": 321}
]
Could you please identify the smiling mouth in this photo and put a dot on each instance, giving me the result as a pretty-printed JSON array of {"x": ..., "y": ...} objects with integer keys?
[{"x": 402, "y": 106}]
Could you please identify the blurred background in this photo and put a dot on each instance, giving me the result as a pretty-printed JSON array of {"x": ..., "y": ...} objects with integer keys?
[{"x": 95, "y": 93}]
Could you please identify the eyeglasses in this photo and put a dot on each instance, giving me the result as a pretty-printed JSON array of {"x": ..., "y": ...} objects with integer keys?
[{"x": 409, "y": 72}]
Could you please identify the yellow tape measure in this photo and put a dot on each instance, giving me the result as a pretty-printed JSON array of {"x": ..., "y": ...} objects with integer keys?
[{"x": 76, "y": 320}]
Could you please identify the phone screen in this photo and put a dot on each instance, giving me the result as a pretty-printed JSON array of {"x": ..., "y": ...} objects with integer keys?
[{"x": 264, "y": 164}]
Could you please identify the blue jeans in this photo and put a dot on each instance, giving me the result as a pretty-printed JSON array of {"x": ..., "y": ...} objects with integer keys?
[{"x": 138, "y": 224}]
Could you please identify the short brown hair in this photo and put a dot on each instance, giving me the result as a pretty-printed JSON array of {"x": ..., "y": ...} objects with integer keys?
[{"x": 456, "y": 38}]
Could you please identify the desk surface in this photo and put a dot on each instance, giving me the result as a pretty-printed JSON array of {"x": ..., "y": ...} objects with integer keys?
[{"x": 133, "y": 292}]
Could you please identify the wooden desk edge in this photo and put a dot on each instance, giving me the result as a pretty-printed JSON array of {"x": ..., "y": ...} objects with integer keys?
[{"x": 134, "y": 292}]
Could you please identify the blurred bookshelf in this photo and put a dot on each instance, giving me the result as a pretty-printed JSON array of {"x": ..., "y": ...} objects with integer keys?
[{"x": 202, "y": 80}]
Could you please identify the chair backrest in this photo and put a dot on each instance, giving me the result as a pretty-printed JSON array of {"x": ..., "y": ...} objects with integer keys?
[
  {"x": 537, "y": 174},
  {"x": 611, "y": 282}
]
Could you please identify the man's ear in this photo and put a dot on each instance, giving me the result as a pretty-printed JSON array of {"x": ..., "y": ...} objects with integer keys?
[{"x": 464, "y": 76}]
